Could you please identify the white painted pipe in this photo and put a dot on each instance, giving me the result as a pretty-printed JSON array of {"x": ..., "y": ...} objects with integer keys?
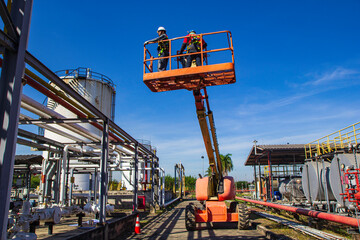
[
  {"x": 63, "y": 171},
  {"x": 43, "y": 111},
  {"x": 163, "y": 186},
  {"x": 51, "y": 129}
]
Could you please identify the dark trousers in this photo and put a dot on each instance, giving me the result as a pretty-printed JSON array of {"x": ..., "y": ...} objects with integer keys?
[
  {"x": 162, "y": 63},
  {"x": 190, "y": 58}
]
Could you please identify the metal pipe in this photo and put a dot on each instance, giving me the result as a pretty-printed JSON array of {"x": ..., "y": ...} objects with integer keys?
[
  {"x": 315, "y": 214},
  {"x": 255, "y": 181},
  {"x": 41, "y": 110},
  {"x": 175, "y": 179},
  {"x": 44, "y": 171},
  {"x": 152, "y": 183},
  {"x": 163, "y": 186},
  {"x": 65, "y": 104},
  {"x": 48, "y": 178},
  {"x": 172, "y": 201},
  {"x": 71, "y": 187},
  {"x": 63, "y": 171},
  {"x": 135, "y": 199},
  {"x": 95, "y": 184},
  {"x": 270, "y": 176},
  {"x": 52, "y": 129},
  {"x": 260, "y": 183},
  {"x": 103, "y": 171}
]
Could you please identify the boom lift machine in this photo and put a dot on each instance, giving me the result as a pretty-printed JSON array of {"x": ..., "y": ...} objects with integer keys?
[{"x": 213, "y": 190}]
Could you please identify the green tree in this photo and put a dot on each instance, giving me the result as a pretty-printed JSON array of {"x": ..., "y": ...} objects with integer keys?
[
  {"x": 208, "y": 172},
  {"x": 35, "y": 181},
  {"x": 190, "y": 182},
  {"x": 242, "y": 185},
  {"x": 226, "y": 162},
  {"x": 169, "y": 182}
]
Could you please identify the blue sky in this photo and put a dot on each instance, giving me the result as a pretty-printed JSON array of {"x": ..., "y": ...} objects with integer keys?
[{"x": 297, "y": 66}]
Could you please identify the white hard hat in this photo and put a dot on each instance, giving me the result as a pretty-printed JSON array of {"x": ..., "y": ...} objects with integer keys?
[{"x": 161, "y": 29}]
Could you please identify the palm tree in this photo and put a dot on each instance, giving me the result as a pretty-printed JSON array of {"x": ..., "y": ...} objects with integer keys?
[
  {"x": 226, "y": 162},
  {"x": 208, "y": 172}
]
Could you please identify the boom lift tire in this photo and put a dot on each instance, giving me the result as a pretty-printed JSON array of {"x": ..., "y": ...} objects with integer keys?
[
  {"x": 190, "y": 223},
  {"x": 244, "y": 216}
]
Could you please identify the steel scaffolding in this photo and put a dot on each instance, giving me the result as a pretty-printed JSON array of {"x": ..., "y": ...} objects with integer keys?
[{"x": 14, "y": 76}]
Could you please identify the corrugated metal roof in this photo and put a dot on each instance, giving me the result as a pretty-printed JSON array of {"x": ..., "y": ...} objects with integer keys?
[
  {"x": 279, "y": 154},
  {"x": 28, "y": 159},
  {"x": 281, "y": 146}
]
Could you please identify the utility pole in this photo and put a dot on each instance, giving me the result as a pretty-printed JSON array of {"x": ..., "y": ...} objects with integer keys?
[{"x": 203, "y": 165}]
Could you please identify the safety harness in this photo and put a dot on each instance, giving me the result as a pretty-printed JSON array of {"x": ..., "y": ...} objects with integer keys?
[
  {"x": 195, "y": 40},
  {"x": 163, "y": 46}
]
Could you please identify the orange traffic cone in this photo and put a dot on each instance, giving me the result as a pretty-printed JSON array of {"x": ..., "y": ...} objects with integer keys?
[{"x": 137, "y": 225}]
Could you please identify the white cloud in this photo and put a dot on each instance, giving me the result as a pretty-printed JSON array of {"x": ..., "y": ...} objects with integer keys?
[{"x": 339, "y": 75}]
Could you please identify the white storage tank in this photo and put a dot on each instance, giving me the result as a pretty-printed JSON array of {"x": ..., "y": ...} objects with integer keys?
[
  {"x": 96, "y": 88},
  {"x": 337, "y": 179},
  {"x": 313, "y": 181}
]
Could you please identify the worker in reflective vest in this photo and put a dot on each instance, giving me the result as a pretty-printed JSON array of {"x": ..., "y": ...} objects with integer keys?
[
  {"x": 192, "y": 43},
  {"x": 163, "y": 48}
]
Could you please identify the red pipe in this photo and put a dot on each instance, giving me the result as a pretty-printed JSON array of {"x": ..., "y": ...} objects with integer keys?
[{"x": 316, "y": 214}]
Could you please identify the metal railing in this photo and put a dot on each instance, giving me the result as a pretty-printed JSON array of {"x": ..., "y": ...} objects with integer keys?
[
  {"x": 333, "y": 142},
  {"x": 283, "y": 170},
  {"x": 84, "y": 73},
  {"x": 148, "y": 58}
]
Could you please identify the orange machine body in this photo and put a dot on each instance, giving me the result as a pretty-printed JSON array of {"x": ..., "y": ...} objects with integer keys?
[
  {"x": 202, "y": 186},
  {"x": 215, "y": 211}
]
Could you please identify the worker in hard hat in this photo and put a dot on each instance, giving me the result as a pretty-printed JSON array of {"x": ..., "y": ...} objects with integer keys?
[
  {"x": 192, "y": 43},
  {"x": 163, "y": 48}
]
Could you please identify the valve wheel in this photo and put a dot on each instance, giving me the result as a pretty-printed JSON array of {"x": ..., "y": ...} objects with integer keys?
[
  {"x": 190, "y": 223},
  {"x": 244, "y": 216}
]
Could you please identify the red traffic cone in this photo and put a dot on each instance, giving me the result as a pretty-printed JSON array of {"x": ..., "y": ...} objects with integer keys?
[{"x": 137, "y": 225}]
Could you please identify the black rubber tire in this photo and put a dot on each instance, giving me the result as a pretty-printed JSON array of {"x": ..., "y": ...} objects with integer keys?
[
  {"x": 190, "y": 223},
  {"x": 244, "y": 216}
]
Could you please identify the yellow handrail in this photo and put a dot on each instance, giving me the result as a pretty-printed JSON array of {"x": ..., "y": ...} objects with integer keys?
[{"x": 334, "y": 141}]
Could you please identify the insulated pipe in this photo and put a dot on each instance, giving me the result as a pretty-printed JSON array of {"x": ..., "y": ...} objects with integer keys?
[
  {"x": 163, "y": 186},
  {"x": 65, "y": 104},
  {"x": 43, "y": 87},
  {"x": 42, "y": 179},
  {"x": 70, "y": 107},
  {"x": 159, "y": 188},
  {"x": 63, "y": 171},
  {"x": 48, "y": 181},
  {"x": 315, "y": 214},
  {"x": 52, "y": 129},
  {"x": 71, "y": 126},
  {"x": 30, "y": 104},
  {"x": 172, "y": 201},
  {"x": 71, "y": 187},
  {"x": 114, "y": 166}
]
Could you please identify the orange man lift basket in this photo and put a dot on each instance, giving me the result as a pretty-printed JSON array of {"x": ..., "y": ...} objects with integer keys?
[
  {"x": 211, "y": 191},
  {"x": 193, "y": 77}
]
